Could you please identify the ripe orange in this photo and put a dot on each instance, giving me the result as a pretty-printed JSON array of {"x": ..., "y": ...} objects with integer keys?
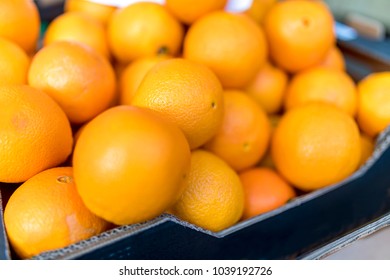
[
  {"x": 14, "y": 63},
  {"x": 264, "y": 190},
  {"x": 130, "y": 165},
  {"x": 244, "y": 135},
  {"x": 79, "y": 79},
  {"x": 214, "y": 197},
  {"x": 186, "y": 93},
  {"x": 78, "y": 27},
  {"x": 267, "y": 160},
  {"x": 259, "y": 9},
  {"x": 232, "y": 45},
  {"x": 35, "y": 133},
  {"x": 300, "y": 33},
  {"x": 268, "y": 88},
  {"x": 188, "y": 11},
  {"x": 368, "y": 147},
  {"x": 47, "y": 213},
  {"x": 133, "y": 74},
  {"x": 144, "y": 29},
  {"x": 316, "y": 145},
  {"x": 322, "y": 84},
  {"x": 374, "y": 103},
  {"x": 95, "y": 10},
  {"x": 20, "y": 23},
  {"x": 334, "y": 59}
]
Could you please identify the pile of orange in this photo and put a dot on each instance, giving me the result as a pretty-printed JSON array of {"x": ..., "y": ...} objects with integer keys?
[{"x": 183, "y": 108}]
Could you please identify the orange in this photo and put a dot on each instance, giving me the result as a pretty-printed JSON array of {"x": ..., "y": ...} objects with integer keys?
[
  {"x": 20, "y": 23},
  {"x": 368, "y": 147},
  {"x": 144, "y": 29},
  {"x": 259, "y": 9},
  {"x": 243, "y": 137},
  {"x": 47, "y": 213},
  {"x": 267, "y": 160},
  {"x": 95, "y": 10},
  {"x": 316, "y": 145},
  {"x": 232, "y": 45},
  {"x": 79, "y": 79},
  {"x": 130, "y": 165},
  {"x": 322, "y": 84},
  {"x": 186, "y": 93},
  {"x": 268, "y": 88},
  {"x": 300, "y": 33},
  {"x": 35, "y": 133},
  {"x": 14, "y": 63},
  {"x": 214, "y": 196},
  {"x": 188, "y": 11},
  {"x": 78, "y": 27},
  {"x": 374, "y": 103},
  {"x": 334, "y": 59},
  {"x": 133, "y": 74},
  {"x": 264, "y": 190}
]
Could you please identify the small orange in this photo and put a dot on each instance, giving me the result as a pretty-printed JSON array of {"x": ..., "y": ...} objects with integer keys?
[
  {"x": 47, "y": 213},
  {"x": 244, "y": 135},
  {"x": 316, "y": 145},
  {"x": 186, "y": 93},
  {"x": 130, "y": 165},
  {"x": 322, "y": 84},
  {"x": 259, "y": 9},
  {"x": 213, "y": 198},
  {"x": 264, "y": 190},
  {"x": 78, "y": 27},
  {"x": 268, "y": 88},
  {"x": 133, "y": 74},
  {"x": 35, "y": 133},
  {"x": 374, "y": 103},
  {"x": 334, "y": 59},
  {"x": 188, "y": 11},
  {"x": 144, "y": 29},
  {"x": 300, "y": 33},
  {"x": 81, "y": 81},
  {"x": 232, "y": 45},
  {"x": 20, "y": 23},
  {"x": 98, "y": 11},
  {"x": 14, "y": 63},
  {"x": 368, "y": 147}
]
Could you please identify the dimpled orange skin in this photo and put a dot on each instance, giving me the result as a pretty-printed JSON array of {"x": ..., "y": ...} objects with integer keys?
[
  {"x": 244, "y": 135},
  {"x": 34, "y": 132},
  {"x": 300, "y": 33},
  {"x": 46, "y": 213},
  {"x": 186, "y": 93},
  {"x": 143, "y": 29},
  {"x": 14, "y": 63},
  {"x": 316, "y": 145},
  {"x": 130, "y": 165},
  {"x": 232, "y": 45},
  {"x": 20, "y": 23},
  {"x": 81, "y": 81},
  {"x": 95, "y": 10}
]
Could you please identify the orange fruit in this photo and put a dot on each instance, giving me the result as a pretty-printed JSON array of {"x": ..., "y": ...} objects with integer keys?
[
  {"x": 98, "y": 11},
  {"x": 368, "y": 146},
  {"x": 232, "y": 45},
  {"x": 130, "y": 165},
  {"x": 267, "y": 160},
  {"x": 214, "y": 197},
  {"x": 35, "y": 133},
  {"x": 334, "y": 59},
  {"x": 78, "y": 27},
  {"x": 316, "y": 145},
  {"x": 14, "y": 63},
  {"x": 268, "y": 88},
  {"x": 322, "y": 84},
  {"x": 188, "y": 11},
  {"x": 133, "y": 74},
  {"x": 300, "y": 33},
  {"x": 264, "y": 190},
  {"x": 259, "y": 9},
  {"x": 79, "y": 79},
  {"x": 20, "y": 23},
  {"x": 187, "y": 94},
  {"x": 144, "y": 29},
  {"x": 243, "y": 137},
  {"x": 47, "y": 213},
  {"x": 374, "y": 103}
]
